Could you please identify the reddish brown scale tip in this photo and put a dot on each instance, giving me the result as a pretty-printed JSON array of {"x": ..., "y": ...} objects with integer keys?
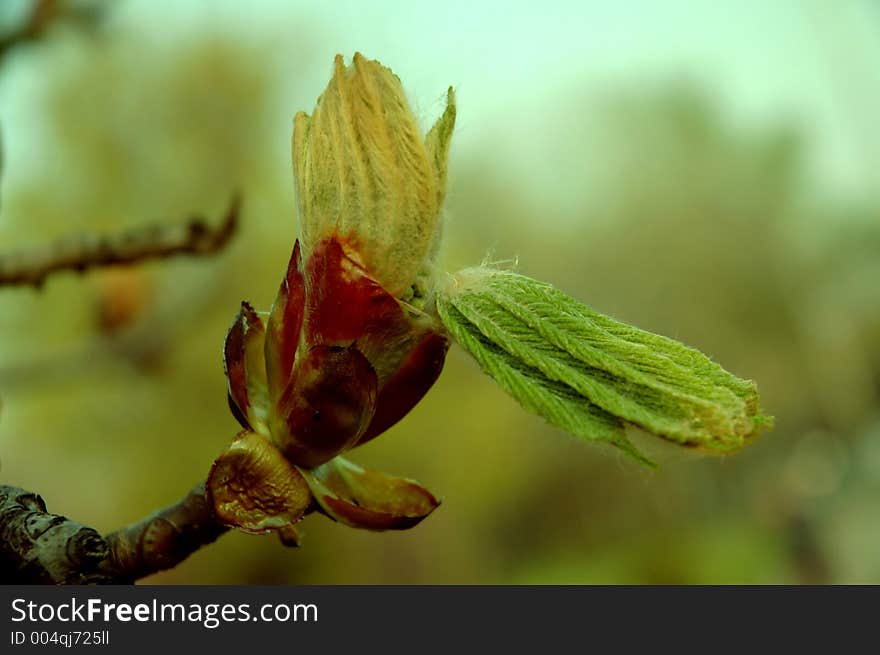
[
  {"x": 416, "y": 375},
  {"x": 244, "y": 374},
  {"x": 343, "y": 301},
  {"x": 285, "y": 324},
  {"x": 234, "y": 366},
  {"x": 345, "y": 511},
  {"x": 236, "y": 413},
  {"x": 329, "y": 404},
  {"x": 368, "y": 499}
]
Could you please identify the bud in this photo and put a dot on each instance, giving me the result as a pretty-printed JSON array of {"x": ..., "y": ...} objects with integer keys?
[
  {"x": 344, "y": 359},
  {"x": 353, "y": 340}
]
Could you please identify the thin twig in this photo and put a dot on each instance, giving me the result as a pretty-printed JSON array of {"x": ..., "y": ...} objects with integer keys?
[
  {"x": 43, "y": 13},
  {"x": 41, "y": 548},
  {"x": 195, "y": 237}
]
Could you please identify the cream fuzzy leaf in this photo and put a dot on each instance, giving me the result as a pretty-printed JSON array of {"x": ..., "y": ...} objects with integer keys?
[{"x": 362, "y": 170}]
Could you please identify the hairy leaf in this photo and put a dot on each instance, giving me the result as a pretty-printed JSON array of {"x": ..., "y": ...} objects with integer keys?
[{"x": 571, "y": 365}]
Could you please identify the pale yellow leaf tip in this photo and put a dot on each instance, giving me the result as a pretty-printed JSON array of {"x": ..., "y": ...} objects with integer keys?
[
  {"x": 437, "y": 142},
  {"x": 364, "y": 172}
]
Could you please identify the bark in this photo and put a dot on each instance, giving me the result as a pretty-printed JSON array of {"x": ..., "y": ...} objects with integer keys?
[
  {"x": 194, "y": 237},
  {"x": 37, "y": 547}
]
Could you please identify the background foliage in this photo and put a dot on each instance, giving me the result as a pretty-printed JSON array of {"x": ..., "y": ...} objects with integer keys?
[{"x": 708, "y": 174}]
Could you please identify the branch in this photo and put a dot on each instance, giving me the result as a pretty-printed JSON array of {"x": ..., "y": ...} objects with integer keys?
[
  {"x": 195, "y": 237},
  {"x": 41, "y": 548},
  {"x": 42, "y": 14},
  {"x": 165, "y": 539},
  {"x": 37, "y": 547}
]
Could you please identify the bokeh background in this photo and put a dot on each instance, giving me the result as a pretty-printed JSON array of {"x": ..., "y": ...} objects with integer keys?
[{"x": 708, "y": 171}]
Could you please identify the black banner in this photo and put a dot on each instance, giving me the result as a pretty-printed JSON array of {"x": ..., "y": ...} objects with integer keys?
[{"x": 413, "y": 619}]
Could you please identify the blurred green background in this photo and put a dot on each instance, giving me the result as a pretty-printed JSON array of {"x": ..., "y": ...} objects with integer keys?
[{"x": 708, "y": 171}]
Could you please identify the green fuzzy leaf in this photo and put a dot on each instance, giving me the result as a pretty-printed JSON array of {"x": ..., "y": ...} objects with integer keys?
[{"x": 588, "y": 374}]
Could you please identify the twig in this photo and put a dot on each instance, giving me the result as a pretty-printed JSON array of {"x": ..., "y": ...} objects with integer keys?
[
  {"x": 163, "y": 540},
  {"x": 43, "y": 13},
  {"x": 195, "y": 237},
  {"x": 41, "y": 548}
]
